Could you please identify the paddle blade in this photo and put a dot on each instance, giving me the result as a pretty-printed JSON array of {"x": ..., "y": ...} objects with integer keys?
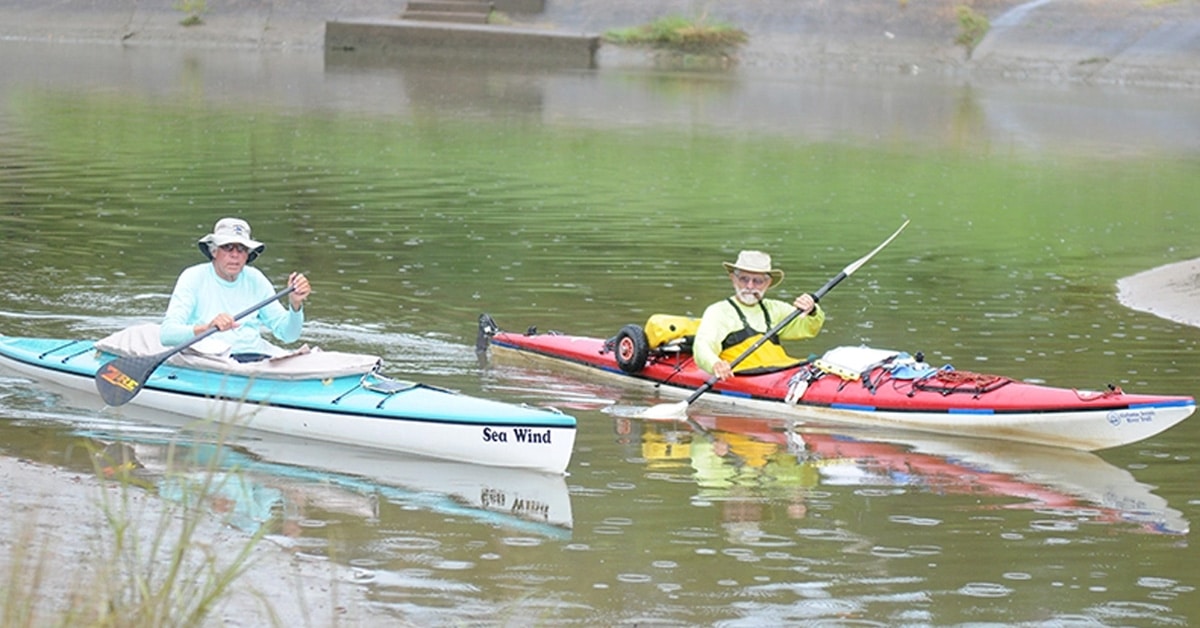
[
  {"x": 676, "y": 411},
  {"x": 122, "y": 379}
]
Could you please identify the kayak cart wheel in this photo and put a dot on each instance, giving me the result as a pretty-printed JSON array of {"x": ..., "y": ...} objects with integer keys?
[{"x": 632, "y": 348}]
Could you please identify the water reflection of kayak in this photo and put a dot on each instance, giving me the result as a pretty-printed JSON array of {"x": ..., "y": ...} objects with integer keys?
[
  {"x": 278, "y": 477},
  {"x": 728, "y": 450},
  {"x": 514, "y": 498},
  {"x": 865, "y": 386}
]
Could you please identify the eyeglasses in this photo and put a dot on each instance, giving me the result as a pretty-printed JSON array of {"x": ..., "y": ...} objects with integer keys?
[
  {"x": 752, "y": 280},
  {"x": 231, "y": 248}
]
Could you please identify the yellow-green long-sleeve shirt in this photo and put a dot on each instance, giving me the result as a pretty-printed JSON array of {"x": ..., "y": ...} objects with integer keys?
[{"x": 720, "y": 319}]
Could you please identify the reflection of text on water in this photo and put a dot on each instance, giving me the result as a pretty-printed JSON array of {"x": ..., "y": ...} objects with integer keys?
[{"x": 495, "y": 499}]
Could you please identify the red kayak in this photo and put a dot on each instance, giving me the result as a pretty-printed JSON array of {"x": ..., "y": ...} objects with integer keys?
[{"x": 863, "y": 386}]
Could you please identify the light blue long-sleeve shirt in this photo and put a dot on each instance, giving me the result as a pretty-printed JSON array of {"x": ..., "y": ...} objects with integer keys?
[{"x": 201, "y": 294}]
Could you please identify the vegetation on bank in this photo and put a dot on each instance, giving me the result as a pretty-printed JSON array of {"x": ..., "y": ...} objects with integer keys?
[
  {"x": 709, "y": 38},
  {"x": 699, "y": 36},
  {"x": 193, "y": 10},
  {"x": 973, "y": 26}
]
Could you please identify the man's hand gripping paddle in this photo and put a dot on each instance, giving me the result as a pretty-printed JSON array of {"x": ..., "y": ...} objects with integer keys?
[
  {"x": 679, "y": 410},
  {"x": 123, "y": 378}
]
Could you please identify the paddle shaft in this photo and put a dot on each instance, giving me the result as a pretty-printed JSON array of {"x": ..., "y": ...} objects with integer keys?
[
  {"x": 829, "y": 285},
  {"x": 212, "y": 330},
  {"x": 120, "y": 380}
]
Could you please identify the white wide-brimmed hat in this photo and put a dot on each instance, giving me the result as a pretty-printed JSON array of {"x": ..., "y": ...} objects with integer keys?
[
  {"x": 755, "y": 262},
  {"x": 230, "y": 231}
]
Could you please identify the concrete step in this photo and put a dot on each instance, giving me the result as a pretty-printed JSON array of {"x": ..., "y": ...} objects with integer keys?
[
  {"x": 392, "y": 43},
  {"x": 449, "y": 6},
  {"x": 456, "y": 11},
  {"x": 441, "y": 16}
]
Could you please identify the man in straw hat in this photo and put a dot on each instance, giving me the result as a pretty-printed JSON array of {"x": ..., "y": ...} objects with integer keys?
[
  {"x": 730, "y": 326},
  {"x": 207, "y": 293}
]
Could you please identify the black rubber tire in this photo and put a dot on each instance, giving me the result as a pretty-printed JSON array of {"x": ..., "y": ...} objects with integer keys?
[{"x": 632, "y": 348}]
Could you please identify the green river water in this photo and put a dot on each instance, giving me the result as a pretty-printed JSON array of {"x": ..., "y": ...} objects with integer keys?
[{"x": 417, "y": 198}]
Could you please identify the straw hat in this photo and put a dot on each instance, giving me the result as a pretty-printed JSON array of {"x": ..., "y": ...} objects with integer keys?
[{"x": 755, "y": 262}]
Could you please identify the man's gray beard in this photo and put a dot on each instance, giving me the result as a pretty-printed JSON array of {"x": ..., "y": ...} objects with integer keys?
[{"x": 749, "y": 296}]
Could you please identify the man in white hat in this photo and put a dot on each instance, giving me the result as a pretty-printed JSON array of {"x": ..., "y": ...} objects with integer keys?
[
  {"x": 207, "y": 293},
  {"x": 730, "y": 326}
]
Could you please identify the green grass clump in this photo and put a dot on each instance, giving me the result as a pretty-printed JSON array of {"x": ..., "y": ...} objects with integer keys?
[
  {"x": 972, "y": 28},
  {"x": 194, "y": 9},
  {"x": 680, "y": 34}
]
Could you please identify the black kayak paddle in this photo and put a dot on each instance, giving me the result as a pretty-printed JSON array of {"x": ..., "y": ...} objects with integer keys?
[{"x": 679, "y": 410}]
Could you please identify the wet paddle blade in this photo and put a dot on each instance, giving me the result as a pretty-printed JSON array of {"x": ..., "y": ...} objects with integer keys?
[
  {"x": 677, "y": 411},
  {"x": 122, "y": 379}
]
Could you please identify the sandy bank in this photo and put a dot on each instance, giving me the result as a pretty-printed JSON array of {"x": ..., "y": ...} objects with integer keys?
[{"x": 1171, "y": 292}]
